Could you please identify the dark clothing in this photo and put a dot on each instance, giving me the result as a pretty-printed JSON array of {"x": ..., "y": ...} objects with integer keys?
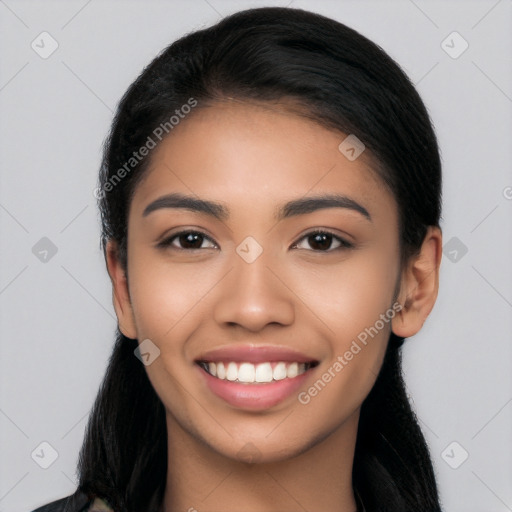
[{"x": 79, "y": 504}]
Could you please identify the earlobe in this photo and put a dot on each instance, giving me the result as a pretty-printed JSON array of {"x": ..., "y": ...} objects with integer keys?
[
  {"x": 419, "y": 286},
  {"x": 120, "y": 293}
]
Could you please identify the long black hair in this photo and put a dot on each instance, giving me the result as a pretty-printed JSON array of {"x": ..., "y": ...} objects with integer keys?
[{"x": 343, "y": 81}]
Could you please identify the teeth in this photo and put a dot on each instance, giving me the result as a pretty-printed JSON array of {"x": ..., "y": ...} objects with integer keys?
[
  {"x": 249, "y": 373},
  {"x": 280, "y": 371},
  {"x": 263, "y": 373},
  {"x": 292, "y": 370},
  {"x": 232, "y": 372},
  {"x": 246, "y": 372},
  {"x": 221, "y": 371}
]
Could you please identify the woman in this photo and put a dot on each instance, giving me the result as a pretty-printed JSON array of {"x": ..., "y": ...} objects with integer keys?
[{"x": 270, "y": 196}]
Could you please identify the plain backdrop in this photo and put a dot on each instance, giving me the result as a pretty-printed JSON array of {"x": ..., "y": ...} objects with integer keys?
[{"x": 57, "y": 321}]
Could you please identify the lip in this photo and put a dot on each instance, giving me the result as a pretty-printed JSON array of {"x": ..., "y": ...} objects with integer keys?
[
  {"x": 255, "y": 354},
  {"x": 254, "y": 397}
]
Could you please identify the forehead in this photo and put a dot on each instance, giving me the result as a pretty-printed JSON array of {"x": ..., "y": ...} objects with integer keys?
[{"x": 241, "y": 153}]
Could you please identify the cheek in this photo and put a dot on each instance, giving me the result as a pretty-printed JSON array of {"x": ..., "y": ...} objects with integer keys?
[
  {"x": 353, "y": 300},
  {"x": 350, "y": 296},
  {"x": 171, "y": 300}
]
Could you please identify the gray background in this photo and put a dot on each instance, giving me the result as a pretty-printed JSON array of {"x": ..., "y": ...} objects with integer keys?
[{"x": 57, "y": 320}]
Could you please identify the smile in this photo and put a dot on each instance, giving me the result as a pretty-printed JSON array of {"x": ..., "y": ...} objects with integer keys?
[
  {"x": 249, "y": 373},
  {"x": 254, "y": 377}
]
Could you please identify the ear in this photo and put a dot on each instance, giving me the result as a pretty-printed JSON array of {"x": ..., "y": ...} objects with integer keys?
[
  {"x": 120, "y": 293},
  {"x": 419, "y": 286}
]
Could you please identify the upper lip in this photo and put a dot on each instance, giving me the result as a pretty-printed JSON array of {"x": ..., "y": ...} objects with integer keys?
[{"x": 255, "y": 354}]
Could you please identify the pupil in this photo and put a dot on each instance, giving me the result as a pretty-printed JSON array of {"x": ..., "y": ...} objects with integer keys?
[
  {"x": 189, "y": 239},
  {"x": 321, "y": 240}
]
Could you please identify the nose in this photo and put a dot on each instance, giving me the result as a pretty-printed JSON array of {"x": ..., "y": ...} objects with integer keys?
[{"x": 254, "y": 295}]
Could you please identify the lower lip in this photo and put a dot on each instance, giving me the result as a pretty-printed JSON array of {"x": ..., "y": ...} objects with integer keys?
[{"x": 256, "y": 397}]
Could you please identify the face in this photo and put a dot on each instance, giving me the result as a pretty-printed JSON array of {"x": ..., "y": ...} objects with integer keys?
[{"x": 271, "y": 321}]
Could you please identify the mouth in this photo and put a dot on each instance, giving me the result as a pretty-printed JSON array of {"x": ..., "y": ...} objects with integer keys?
[
  {"x": 261, "y": 373},
  {"x": 254, "y": 378}
]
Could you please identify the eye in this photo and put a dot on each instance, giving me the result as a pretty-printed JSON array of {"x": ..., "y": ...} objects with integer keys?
[
  {"x": 321, "y": 241},
  {"x": 186, "y": 240}
]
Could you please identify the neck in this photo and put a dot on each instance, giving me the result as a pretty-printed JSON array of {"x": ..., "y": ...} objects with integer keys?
[{"x": 318, "y": 478}]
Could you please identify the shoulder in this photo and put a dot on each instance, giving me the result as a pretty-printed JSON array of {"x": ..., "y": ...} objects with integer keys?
[
  {"x": 55, "y": 506},
  {"x": 72, "y": 503}
]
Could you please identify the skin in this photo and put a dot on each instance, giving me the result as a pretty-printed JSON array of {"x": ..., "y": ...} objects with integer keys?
[{"x": 254, "y": 158}]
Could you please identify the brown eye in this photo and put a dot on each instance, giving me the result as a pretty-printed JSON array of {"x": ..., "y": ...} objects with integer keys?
[
  {"x": 322, "y": 241},
  {"x": 186, "y": 240}
]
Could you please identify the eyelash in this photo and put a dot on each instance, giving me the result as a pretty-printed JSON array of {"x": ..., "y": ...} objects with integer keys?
[{"x": 344, "y": 245}]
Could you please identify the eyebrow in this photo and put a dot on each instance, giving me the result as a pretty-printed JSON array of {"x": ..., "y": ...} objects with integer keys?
[{"x": 292, "y": 208}]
